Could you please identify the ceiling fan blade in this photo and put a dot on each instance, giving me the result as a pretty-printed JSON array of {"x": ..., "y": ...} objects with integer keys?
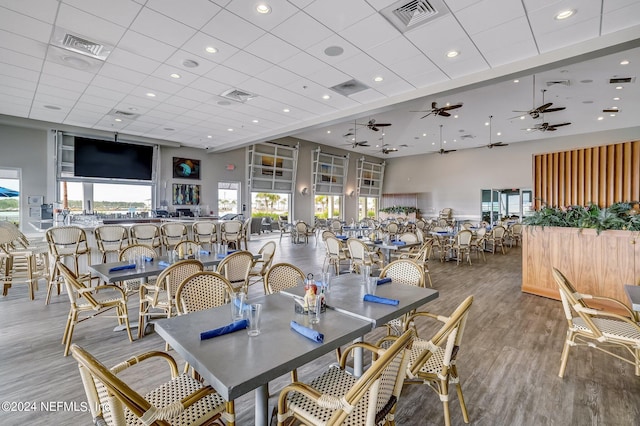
[
  {"x": 424, "y": 116},
  {"x": 611, "y": 110},
  {"x": 541, "y": 108},
  {"x": 554, "y": 109},
  {"x": 383, "y": 124},
  {"x": 450, "y": 107},
  {"x": 559, "y": 125},
  {"x": 444, "y": 113}
]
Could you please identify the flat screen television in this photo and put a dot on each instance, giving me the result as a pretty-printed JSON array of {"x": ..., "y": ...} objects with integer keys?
[{"x": 113, "y": 160}]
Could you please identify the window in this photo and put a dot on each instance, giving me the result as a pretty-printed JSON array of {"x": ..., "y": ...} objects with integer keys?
[
  {"x": 370, "y": 176},
  {"x": 10, "y": 196},
  {"x": 328, "y": 206},
  {"x": 367, "y": 207},
  {"x": 329, "y": 173},
  {"x": 272, "y": 168},
  {"x": 269, "y": 204},
  {"x": 228, "y": 198},
  {"x": 106, "y": 201}
]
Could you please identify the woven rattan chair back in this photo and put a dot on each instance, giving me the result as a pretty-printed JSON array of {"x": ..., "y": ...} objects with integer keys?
[
  {"x": 76, "y": 290},
  {"x": 463, "y": 238},
  {"x": 404, "y": 271},
  {"x": 20, "y": 261},
  {"x": 326, "y": 234},
  {"x": 281, "y": 276},
  {"x": 205, "y": 232},
  {"x": 202, "y": 290},
  {"x": 334, "y": 252},
  {"x": 235, "y": 268},
  {"x": 420, "y": 224},
  {"x": 231, "y": 233},
  {"x": 336, "y": 227},
  {"x": 114, "y": 403},
  {"x": 262, "y": 265},
  {"x": 129, "y": 252},
  {"x": 111, "y": 239},
  {"x": 65, "y": 242},
  {"x": 188, "y": 247},
  {"x": 147, "y": 234},
  {"x": 392, "y": 228},
  {"x": 172, "y": 234},
  {"x": 408, "y": 237},
  {"x": 171, "y": 277}
]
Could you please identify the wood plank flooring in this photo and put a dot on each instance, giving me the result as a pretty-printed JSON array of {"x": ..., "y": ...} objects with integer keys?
[{"x": 508, "y": 363}]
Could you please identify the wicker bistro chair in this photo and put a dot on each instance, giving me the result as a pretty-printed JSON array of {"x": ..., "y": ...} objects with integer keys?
[
  {"x": 161, "y": 294},
  {"x": 245, "y": 234},
  {"x": 284, "y": 228},
  {"x": 302, "y": 232},
  {"x": 433, "y": 361},
  {"x": 598, "y": 328},
  {"x": 421, "y": 257},
  {"x": 335, "y": 253},
  {"x": 205, "y": 233},
  {"x": 111, "y": 239},
  {"x": 147, "y": 234},
  {"x": 91, "y": 300},
  {"x": 496, "y": 238},
  {"x": 189, "y": 248},
  {"x": 361, "y": 256},
  {"x": 66, "y": 242},
  {"x": 403, "y": 271},
  {"x": 462, "y": 245},
  {"x": 515, "y": 234},
  {"x": 21, "y": 261},
  {"x": 172, "y": 233},
  {"x": 180, "y": 401},
  {"x": 262, "y": 265},
  {"x": 235, "y": 268},
  {"x": 478, "y": 242},
  {"x": 231, "y": 233},
  {"x": 133, "y": 285},
  {"x": 392, "y": 229},
  {"x": 337, "y": 397},
  {"x": 336, "y": 227},
  {"x": 281, "y": 276}
]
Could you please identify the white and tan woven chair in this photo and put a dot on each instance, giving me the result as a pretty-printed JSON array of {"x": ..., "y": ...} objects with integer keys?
[
  {"x": 432, "y": 361},
  {"x": 147, "y": 234},
  {"x": 478, "y": 242},
  {"x": 281, "y": 276},
  {"x": 336, "y": 227},
  {"x": 496, "y": 238},
  {"x": 336, "y": 253},
  {"x": 262, "y": 265},
  {"x": 231, "y": 233},
  {"x": 172, "y": 233},
  {"x": 21, "y": 261},
  {"x": 205, "y": 233},
  {"x": 402, "y": 271},
  {"x": 189, "y": 248},
  {"x": 180, "y": 401},
  {"x": 515, "y": 234},
  {"x": 462, "y": 245},
  {"x": 361, "y": 256},
  {"x": 595, "y": 326},
  {"x": 421, "y": 257},
  {"x": 129, "y": 252},
  {"x": 392, "y": 229},
  {"x": 111, "y": 239},
  {"x": 337, "y": 397},
  {"x": 66, "y": 242},
  {"x": 161, "y": 295},
  {"x": 303, "y": 232},
  {"x": 245, "y": 233},
  {"x": 235, "y": 268},
  {"x": 92, "y": 301}
]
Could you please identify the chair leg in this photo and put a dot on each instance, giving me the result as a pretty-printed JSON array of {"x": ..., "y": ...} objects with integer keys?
[
  {"x": 125, "y": 314},
  {"x": 565, "y": 352},
  {"x": 444, "y": 397},
  {"x": 72, "y": 323},
  {"x": 231, "y": 413},
  {"x": 463, "y": 405},
  {"x": 141, "y": 316}
]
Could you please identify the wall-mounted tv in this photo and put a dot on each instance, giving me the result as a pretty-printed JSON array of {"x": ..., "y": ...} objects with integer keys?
[
  {"x": 114, "y": 160},
  {"x": 186, "y": 168}
]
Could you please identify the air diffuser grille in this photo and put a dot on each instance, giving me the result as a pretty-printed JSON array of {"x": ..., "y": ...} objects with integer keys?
[
  {"x": 238, "y": 95},
  {"x": 406, "y": 15}
]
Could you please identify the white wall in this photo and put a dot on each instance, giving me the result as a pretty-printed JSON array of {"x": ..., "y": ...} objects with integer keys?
[{"x": 456, "y": 179}]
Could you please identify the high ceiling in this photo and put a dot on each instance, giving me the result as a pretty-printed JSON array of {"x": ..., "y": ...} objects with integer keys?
[{"x": 289, "y": 60}]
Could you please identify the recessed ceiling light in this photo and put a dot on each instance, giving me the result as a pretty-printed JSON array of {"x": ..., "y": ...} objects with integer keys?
[
  {"x": 209, "y": 136},
  {"x": 565, "y": 14},
  {"x": 600, "y": 118},
  {"x": 516, "y": 81},
  {"x": 612, "y": 115},
  {"x": 118, "y": 119},
  {"x": 624, "y": 62},
  {"x": 286, "y": 110},
  {"x": 53, "y": 107},
  {"x": 424, "y": 135},
  {"x": 230, "y": 129},
  {"x": 616, "y": 98},
  {"x": 325, "y": 97},
  {"x": 499, "y": 134},
  {"x": 452, "y": 53},
  {"x": 618, "y": 87},
  {"x": 211, "y": 49},
  {"x": 190, "y": 63},
  {"x": 133, "y": 109},
  {"x": 328, "y": 131},
  {"x": 522, "y": 117},
  {"x": 254, "y": 121},
  {"x": 486, "y": 123},
  {"x": 378, "y": 79},
  {"x": 263, "y": 8},
  {"x": 174, "y": 75},
  {"x": 151, "y": 95},
  {"x": 377, "y": 146},
  {"x": 455, "y": 116},
  {"x": 333, "y": 51}
]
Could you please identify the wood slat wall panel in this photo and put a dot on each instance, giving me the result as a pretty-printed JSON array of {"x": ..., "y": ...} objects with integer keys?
[{"x": 601, "y": 175}]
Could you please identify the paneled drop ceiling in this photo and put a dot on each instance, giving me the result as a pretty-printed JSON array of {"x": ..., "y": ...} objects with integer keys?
[{"x": 219, "y": 74}]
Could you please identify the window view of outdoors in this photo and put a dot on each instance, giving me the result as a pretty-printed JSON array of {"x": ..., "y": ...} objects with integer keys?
[
  {"x": 10, "y": 200},
  {"x": 228, "y": 195},
  {"x": 367, "y": 207},
  {"x": 110, "y": 201},
  {"x": 269, "y": 204},
  {"x": 328, "y": 206}
]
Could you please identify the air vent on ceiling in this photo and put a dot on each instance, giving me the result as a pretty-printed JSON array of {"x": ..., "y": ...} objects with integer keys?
[
  {"x": 406, "y": 15},
  {"x": 238, "y": 95},
  {"x": 350, "y": 87},
  {"x": 79, "y": 44},
  {"x": 124, "y": 114},
  {"x": 558, "y": 82},
  {"x": 618, "y": 80}
]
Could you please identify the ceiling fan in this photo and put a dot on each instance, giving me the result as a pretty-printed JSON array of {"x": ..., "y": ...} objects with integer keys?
[
  {"x": 441, "y": 111},
  {"x": 372, "y": 125},
  {"x": 354, "y": 141},
  {"x": 494, "y": 144},
  {"x": 444, "y": 151},
  {"x": 535, "y": 112},
  {"x": 546, "y": 127}
]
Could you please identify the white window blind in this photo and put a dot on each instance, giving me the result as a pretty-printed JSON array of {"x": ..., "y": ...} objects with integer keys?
[
  {"x": 272, "y": 167},
  {"x": 329, "y": 172},
  {"x": 370, "y": 178}
]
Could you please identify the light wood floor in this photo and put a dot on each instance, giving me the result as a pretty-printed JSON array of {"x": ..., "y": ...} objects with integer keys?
[{"x": 508, "y": 362}]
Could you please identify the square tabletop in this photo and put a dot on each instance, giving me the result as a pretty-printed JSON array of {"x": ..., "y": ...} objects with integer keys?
[
  {"x": 633, "y": 293},
  {"x": 235, "y": 363}
]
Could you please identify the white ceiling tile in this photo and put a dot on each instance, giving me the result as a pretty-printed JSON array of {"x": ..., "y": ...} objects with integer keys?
[
  {"x": 316, "y": 92},
  {"x": 280, "y": 11},
  {"x": 42, "y": 99},
  {"x": 170, "y": 110},
  {"x": 20, "y": 60},
  {"x": 565, "y": 36},
  {"x": 301, "y": 3},
  {"x": 24, "y": 45},
  {"x": 65, "y": 72},
  {"x": 507, "y": 42},
  {"x": 164, "y": 72},
  {"x": 88, "y": 26},
  {"x": 42, "y": 10},
  {"x": 107, "y": 94},
  {"x": 142, "y": 104},
  {"x": 233, "y": 30},
  {"x": 73, "y": 87},
  {"x": 303, "y": 64},
  {"x": 543, "y": 19},
  {"x": 328, "y": 76},
  {"x": 44, "y": 114},
  {"x": 381, "y": 4},
  {"x": 359, "y": 66},
  {"x": 227, "y": 76},
  {"x": 302, "y": 30},
  {"x": 85, "y": 107},
  {"x": 162, "y": 85},
  {"x": 184, "y": 119},
  {"x": 370, "y": 32},
  {"x": 24, "y": 25},
  {"x": 394, "y": 50},
  {"x": 270, "y": 48},
  {"x": 132, "y": 61},
  {"x": 196, "y": 94},
  {"x": 97, "y": 100},
  {"x": 367, "y": 96},
  {"x": 121, "y": 12},
  {"x": 14, "y": 109},
  {"x": 195, "y": 14},
  {"x": 145, "y": 46},
  {"x": 318, "y": 49},
  {"x": 278, "y": 76},
  {"x": 24, "y": 95},
  {"x": 485, "y": 15},
  {"x": 121, "y": 73},
  {"x": 59, "y": 92},
  {"x": 395, "y": 87},
  {"x": 200, "y": 41},
  {"x": 180, "y": 56},
  {"x": 162, "y": 28},
  {"x": 616, "y": 18},
  {"x": 512, "y": 52},
  {"x": 246, "y": 63},
  {"x": 339, "y": 14},
  {"x": 207, "y": 87}
]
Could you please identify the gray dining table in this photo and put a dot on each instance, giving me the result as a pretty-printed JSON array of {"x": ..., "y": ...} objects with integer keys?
[
  {"x": 633, "y": 293},
  {"x": 235, "y": 364}
]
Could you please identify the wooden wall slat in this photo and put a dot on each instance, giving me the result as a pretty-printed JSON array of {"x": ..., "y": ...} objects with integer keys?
[{"x": 601, "y": 175}]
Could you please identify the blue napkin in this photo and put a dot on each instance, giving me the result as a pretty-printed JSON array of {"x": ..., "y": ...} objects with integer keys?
[
  {"x": 377, "y": 241},
  {"x": 307, "y": 332},
  {"x": 360, "y": 236},
  {"x": 341, "y": 237},
  {"x": 384, "y": 281},
  {"x": 148, "y": 259},
  {"x": 122, "y": 267},
  {"x": 378, "y": 299},
  {"x": 205, "y": 252},
  {"x": 234, "y": 326},
  {"x": 231, "y": 251},
  {"x": 163, "y": 263},
  {"x": 221, "y": 256},
  {"x": 399, "y": 243},
  {"x": 442, "y": 232}
]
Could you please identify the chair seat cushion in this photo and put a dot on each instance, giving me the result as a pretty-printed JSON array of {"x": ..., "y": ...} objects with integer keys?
[
  {"x": 104, "y": 296},
  {"x": 175, "y": 390},
  {"x": 611, "y": 328},
  {"x": 433, "y": 366},
  {"x": 334, "y": 382}
]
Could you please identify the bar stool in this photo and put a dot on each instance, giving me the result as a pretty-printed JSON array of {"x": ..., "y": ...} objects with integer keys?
[
  {"x": 66, "y": 242},
  {"x": 147, "y": 234},
  {"x": 111, "y": 239}
]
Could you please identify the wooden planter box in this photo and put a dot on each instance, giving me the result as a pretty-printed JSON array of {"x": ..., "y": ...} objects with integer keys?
[
  {"x": 595, "y": 264},
  {"x": 408, "y": 216}
]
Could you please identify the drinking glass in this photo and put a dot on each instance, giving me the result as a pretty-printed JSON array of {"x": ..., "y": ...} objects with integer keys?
[
  {"x": 254, "y": 318},
  {"x": 237, "y": 305},
  {"x": 372, "y": 285},
  {"x": 326, "y": 281},
  {"x": 315, "y": 310}
]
